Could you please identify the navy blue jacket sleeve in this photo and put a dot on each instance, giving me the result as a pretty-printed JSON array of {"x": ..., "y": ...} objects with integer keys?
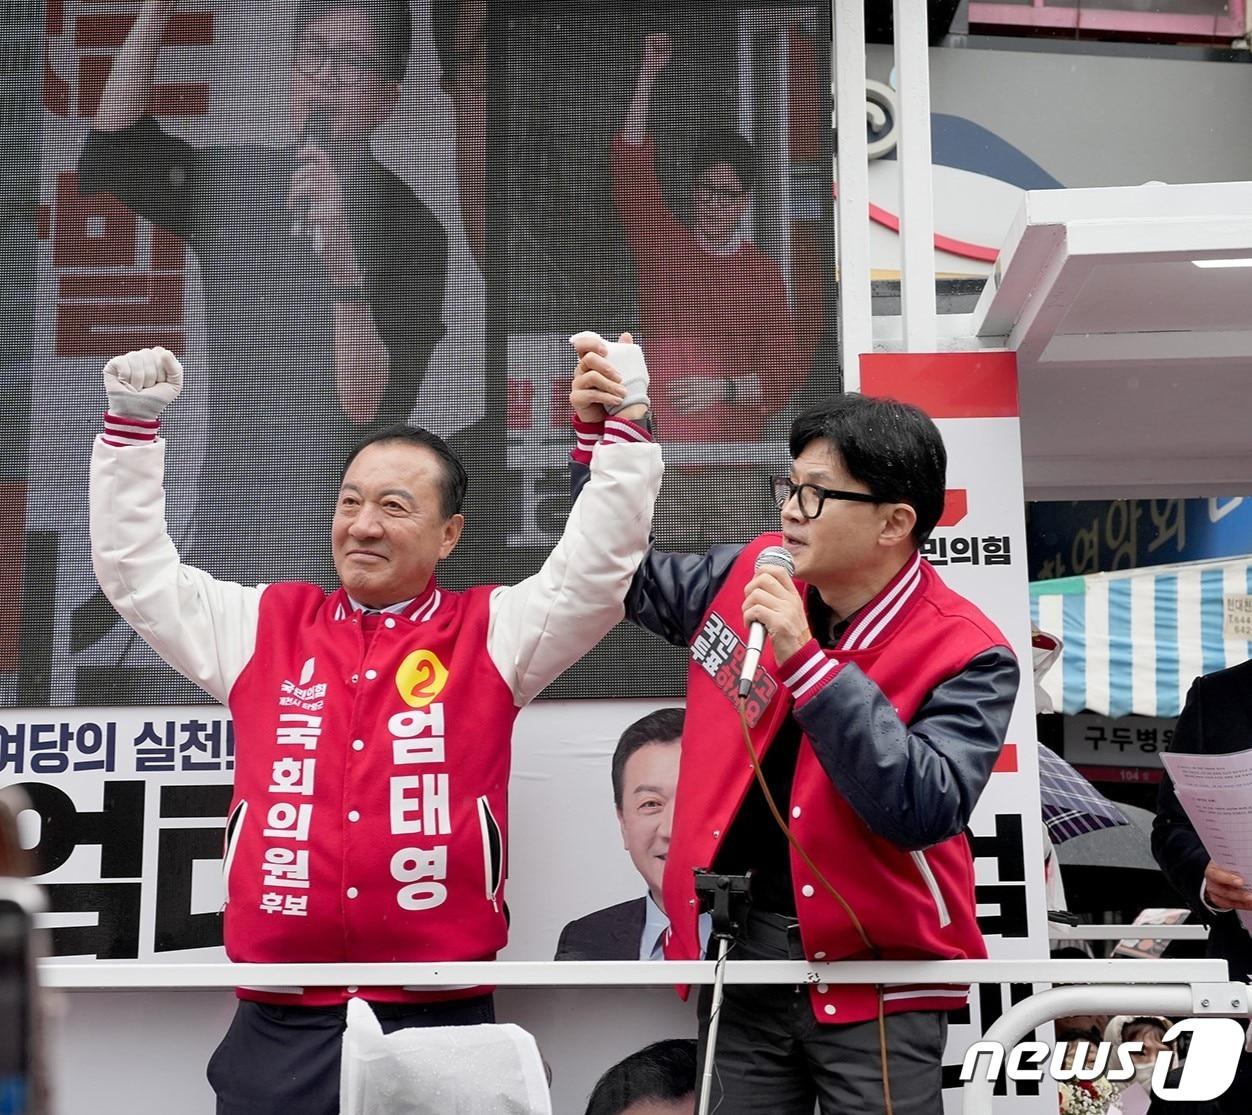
[
  {"x": 671, "y": 592},
  {"x": 1175, "y": 844},
  {"x": 913, "y": 784}
]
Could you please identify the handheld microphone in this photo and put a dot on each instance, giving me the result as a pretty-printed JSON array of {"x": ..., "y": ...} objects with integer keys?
[
  {"x": 771, "y": 555},
  {"x": 316, "y": 132}
]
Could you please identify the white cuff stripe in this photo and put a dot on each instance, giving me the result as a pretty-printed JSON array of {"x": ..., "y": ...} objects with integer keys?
[
  {"x": 616, "y": 433},
  {"x": 153, "y": 424},
  {"x": 928, "y": 993},
  {"x": 821, "y": 675},
  {"x": 814, "y": 660},
  {"x": 127, "y": 437},
  {"x": 127, "y": 429}
]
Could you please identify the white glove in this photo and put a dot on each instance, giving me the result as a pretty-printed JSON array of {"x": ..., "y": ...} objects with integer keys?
[
  {"x": 142, "y": 384},
  {"x": 627, "y": 361}
]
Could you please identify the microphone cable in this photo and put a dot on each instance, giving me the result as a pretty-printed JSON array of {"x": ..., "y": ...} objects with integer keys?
[{"x": 759, "y": 775}]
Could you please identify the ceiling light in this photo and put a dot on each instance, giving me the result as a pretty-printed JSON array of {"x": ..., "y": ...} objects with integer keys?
[{"x": 1222, "y": 262}]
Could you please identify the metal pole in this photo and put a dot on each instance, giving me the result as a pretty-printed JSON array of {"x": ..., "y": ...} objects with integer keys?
[
  {"x": 710, "y": 1041},
  {"x": 917, "y": 207},
  {"x": 856, "y": 323}
]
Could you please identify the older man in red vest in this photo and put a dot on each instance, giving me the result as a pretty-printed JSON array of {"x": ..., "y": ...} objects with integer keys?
[{"x": 372, "y": 723}]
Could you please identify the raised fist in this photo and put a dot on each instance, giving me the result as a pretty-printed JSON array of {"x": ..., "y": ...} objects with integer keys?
[
  {"x": 142, "y": 384},
  {"x": 596, "y": 388},
  {"x": 658, "y": 49},
  {"x": 611, "y": 378}
]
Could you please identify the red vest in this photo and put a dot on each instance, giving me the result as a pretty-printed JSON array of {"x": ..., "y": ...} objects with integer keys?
[
  {"x": 913, "y": 905},
  {"x": 369, "y": 819}
]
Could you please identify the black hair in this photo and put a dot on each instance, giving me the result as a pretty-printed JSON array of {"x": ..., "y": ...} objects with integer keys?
[
  {"x": 663, "y": 726},
  {"x": 392, "y": 21},
  {"x": 894, "y": 449},
  {"x": 725, "y": 145},
  {"x": 664, "y": 1070},
  {"x": 455, "y": 478}
]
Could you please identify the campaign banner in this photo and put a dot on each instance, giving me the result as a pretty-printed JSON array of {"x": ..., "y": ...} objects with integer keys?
[{"x": 979, "y": 549}]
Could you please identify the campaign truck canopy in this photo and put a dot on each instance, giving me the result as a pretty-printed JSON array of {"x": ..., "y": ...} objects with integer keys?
[{"x": 1134, "y": 640}]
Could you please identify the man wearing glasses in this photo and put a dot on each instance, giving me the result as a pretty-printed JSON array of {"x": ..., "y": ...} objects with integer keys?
[
  {"x": 323, "y": 274},
  {"x": 714, "y": 319},
  {"x": 878, "y": 709}
]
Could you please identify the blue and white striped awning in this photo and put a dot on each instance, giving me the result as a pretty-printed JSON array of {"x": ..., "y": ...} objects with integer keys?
[{"x": 1134, "y": 640}]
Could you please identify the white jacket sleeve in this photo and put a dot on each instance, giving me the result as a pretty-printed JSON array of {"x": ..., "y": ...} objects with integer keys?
[
  {"x": 545, "y": 624},
  {"x": 205, "y": 629}
]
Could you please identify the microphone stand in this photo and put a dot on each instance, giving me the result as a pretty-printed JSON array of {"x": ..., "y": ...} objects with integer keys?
[{"x": 728, "y": 898}]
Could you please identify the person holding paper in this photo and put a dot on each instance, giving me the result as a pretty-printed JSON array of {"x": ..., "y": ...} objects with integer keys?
[{"x": 1216, "y": 720}]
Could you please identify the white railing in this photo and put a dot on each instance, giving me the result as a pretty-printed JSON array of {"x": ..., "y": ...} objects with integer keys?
[
  {"x": 1179, "y": 998},
  {"x": 132, "y": 975},
  {"x": 1178, "y": 988},
  {"x": 1059, "y": 930}
]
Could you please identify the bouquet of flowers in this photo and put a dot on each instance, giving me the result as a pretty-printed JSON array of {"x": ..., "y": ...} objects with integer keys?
[{"x": 1087, "y": 1097}]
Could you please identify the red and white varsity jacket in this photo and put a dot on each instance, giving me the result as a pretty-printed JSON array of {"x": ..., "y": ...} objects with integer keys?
[
  {"x": 369, "y": 820},
  {"x": 866, "y": 768}
]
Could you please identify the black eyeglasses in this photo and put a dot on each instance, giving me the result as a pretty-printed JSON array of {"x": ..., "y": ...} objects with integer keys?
[
  {"x": 811, "y": 497},
  {"x": 719, "y": 194},
  {"x": 348, "y": 64}
]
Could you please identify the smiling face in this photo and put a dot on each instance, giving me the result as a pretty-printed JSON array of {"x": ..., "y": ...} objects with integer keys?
[
  {"x": 389, "y": 529},
  {"x": 338, "y": 72},
  {"x": 649, "y": 781}
]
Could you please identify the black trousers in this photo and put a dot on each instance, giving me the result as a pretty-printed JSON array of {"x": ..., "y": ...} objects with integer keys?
[
  {"x": 774, "y": 1058},
  {"x": 285, "y": 1060}
]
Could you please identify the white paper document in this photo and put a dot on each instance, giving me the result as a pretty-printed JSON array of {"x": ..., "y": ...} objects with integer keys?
[
  {"x": 1216, "y": 792},
  {"x": 1199, "y": 772}
]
